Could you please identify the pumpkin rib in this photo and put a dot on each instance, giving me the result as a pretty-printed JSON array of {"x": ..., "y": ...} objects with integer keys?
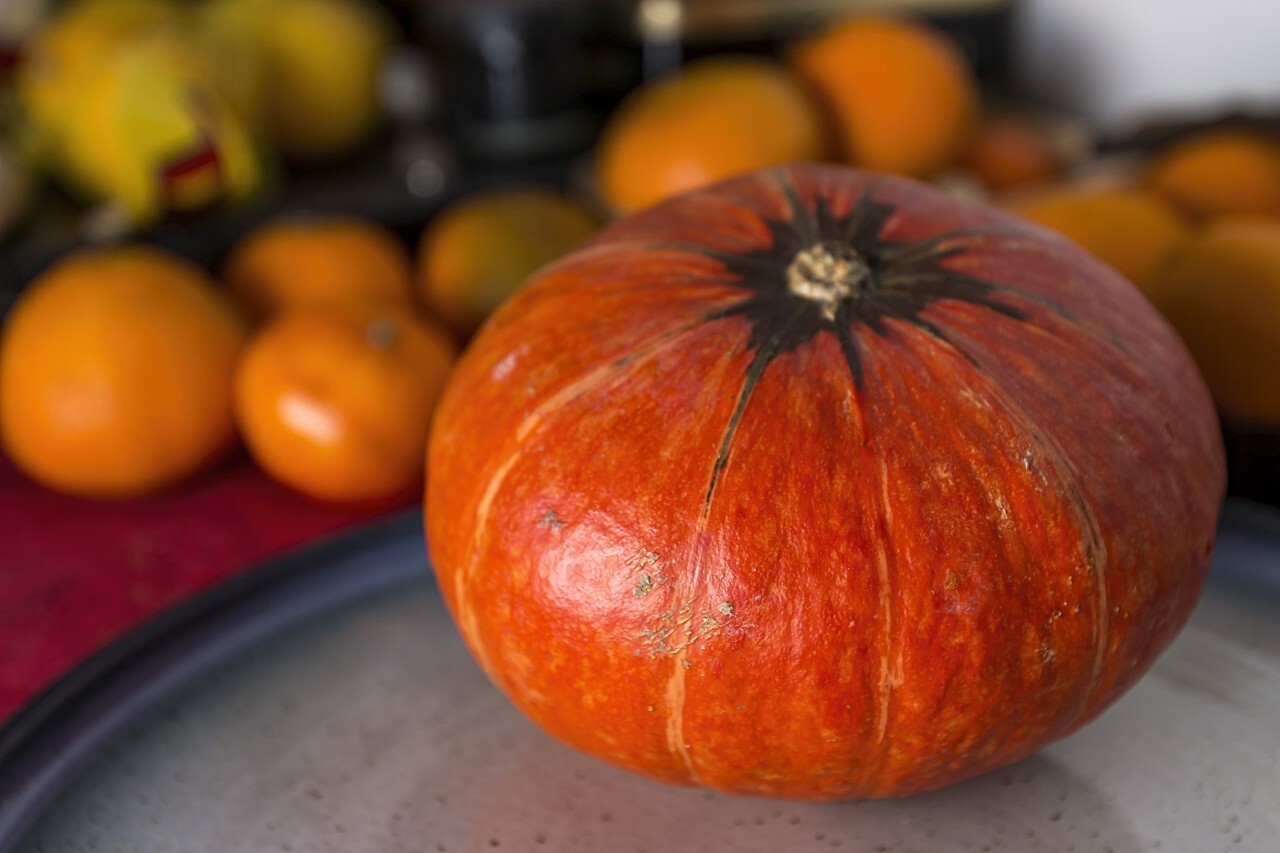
[
  {"x": 914, "y": 341},
  {"x": 907, "y": 251},
  {"x": 761, "y": 264},
  {"x": 885, "y": 564},
  {"x": 690, "y": 276},
  {"x": 910, "y": 284},
  {"x": 1092, "y": 546},
  {"x": 760, "y": 361},
  {"x": 1091, "y": 329},
  {"x": 1133, "y": 374},
  {"x": 675, "y": 691},
  {"x": 902, "y": 275},
  {"x": 1095, "y": 330},
  {"x": 532, "y": 422},
  {"x": 891, "y": 666},
  {"x": 848, "y": 340},
  {"x": 886, "y": 569}
]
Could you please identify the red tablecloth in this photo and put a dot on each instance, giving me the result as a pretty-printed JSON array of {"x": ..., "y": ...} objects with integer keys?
[{"x": 75, "y": 574}]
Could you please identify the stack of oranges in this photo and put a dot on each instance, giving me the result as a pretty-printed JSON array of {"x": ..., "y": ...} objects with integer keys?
[
  {"x": 1196, "y": 227},
  {"x": 882, "y": 93},
  {"x": 324, "y": 347}
]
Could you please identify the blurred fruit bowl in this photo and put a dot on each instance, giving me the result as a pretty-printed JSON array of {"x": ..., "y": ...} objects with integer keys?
[{"x": 507, "y": 117}]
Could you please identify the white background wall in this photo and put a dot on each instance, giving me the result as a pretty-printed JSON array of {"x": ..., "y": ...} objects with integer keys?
[{"x": 1119, "y": 62}]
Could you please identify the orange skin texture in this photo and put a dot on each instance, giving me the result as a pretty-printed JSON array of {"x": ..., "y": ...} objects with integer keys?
[
  {"x": 337, "y": 402},
  {"x": 115, "y": 373},
  {"x": 462, "y": 277},
  {"x": 901, "y": 95},
  {"x": 1220, "y": 173},
  {"x": 717, "y": 117},
  {"x": 886, "y": 587},
  {"x": 1132, "y": 229},
  {"x": 1221, "y": 290},
  {"x": 301, "y": 262}
]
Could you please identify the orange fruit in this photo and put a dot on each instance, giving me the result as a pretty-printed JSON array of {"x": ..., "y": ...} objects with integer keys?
[
  {"x": 1220, "y": 288},
  {"x": 715, "y": 118},
  {"x": 1131, "y": 229},
  {"x": 115, "y": 373},
  {"x": 1007, "y": 151},
  {"x": 902, "y": 96},
  {"x": 477, "y": 252},
  {"x": 1220, "y": 173},
  {"x": 304, "y": 261},
  {"x": 336, "y": 401}
]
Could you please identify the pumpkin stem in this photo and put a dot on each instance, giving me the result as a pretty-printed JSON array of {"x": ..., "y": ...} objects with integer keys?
[{"x": 827, "y": 272}]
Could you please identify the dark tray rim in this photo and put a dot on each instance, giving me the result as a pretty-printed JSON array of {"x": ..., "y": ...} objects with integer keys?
[{"x": 46, "y": 744}]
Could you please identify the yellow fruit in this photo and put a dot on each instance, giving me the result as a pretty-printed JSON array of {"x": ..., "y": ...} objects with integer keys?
[
  {"x": 66, "y": 53},
  {"x": 475, "y": 254},
  {"x": 115, "y": 373},
  {"x": 124, "y": 107},
  {"x": 155, "y": 137},
  {"x": 323, "y": 59},
  {"x": 227, "y": 31},
  {"x": 1220, "y": 289}
]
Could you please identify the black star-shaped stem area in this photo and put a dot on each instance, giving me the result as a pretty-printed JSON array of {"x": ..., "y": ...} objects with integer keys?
[
  {"x": 822, "y": 272},
  {"x": 895, "y": 280}
]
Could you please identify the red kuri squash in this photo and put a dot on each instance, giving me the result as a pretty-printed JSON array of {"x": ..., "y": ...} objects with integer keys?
[{"x": 820, "y": 484}]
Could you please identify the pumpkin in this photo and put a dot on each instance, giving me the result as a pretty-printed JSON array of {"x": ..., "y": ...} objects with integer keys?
[{"x": 820, "y": 484}]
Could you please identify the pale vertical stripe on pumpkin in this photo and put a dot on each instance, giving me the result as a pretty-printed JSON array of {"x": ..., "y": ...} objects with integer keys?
[
  {"x": 890, "y": 674},
  {"x": 675, "y": 692},
  {"x": 527, "y": 427},
  {"x": 480, "y": 537},
  {"x": 674, "y": 699}
]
